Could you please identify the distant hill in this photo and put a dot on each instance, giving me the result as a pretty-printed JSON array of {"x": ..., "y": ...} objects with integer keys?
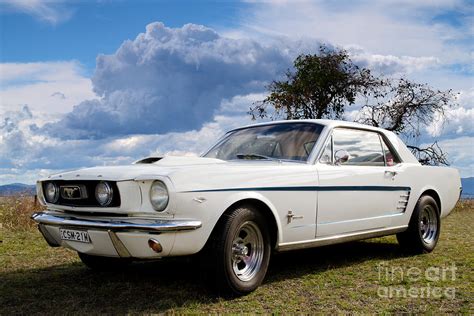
[
  {"x": 17, "y": 189},
  {"x": 468, "y": 187}
]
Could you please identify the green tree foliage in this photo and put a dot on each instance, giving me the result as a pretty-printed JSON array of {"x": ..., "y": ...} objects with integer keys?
[{"x": 321, "y": 86}]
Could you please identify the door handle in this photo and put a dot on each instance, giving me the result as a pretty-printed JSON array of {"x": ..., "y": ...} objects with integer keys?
[
  {"x": 391, "y": 173},
  {"x": 292, "y": 216}
]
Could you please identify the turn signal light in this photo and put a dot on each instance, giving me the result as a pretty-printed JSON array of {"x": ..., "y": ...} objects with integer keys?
[{"x": 155, "y": 245}]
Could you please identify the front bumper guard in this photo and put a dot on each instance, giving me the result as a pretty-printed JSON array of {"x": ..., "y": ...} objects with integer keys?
[{"x": 116, "y": 224}]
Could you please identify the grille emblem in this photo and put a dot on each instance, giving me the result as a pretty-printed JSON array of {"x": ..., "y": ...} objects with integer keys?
[{"x": 73, "y": 192}]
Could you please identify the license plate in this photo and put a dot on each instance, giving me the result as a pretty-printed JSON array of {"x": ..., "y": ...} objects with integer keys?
[{"x": 75, "y": 235}]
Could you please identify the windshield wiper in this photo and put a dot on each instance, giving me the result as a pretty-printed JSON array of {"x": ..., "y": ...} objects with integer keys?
[{"x": 253, "y": 156}]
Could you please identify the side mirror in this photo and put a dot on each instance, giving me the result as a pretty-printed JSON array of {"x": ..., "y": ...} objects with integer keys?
[{"x": 341, "y": 156}]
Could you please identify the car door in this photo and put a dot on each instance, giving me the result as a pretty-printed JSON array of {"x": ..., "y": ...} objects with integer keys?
[{"x": 361, "y": 193}]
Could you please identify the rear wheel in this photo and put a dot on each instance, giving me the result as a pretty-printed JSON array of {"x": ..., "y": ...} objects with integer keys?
[
  {"x": 237, "y": 255},
  {"x": 424, "y": 228},
  {"x": 99, "y": 263}
]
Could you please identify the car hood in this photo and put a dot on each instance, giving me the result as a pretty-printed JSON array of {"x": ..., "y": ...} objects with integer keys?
[
  {"x": 163, "y": 167},
  {"x": 189, "y": 173}
]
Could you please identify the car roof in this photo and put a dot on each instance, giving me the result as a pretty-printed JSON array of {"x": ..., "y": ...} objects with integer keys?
[{"x": 324, "y": 122}]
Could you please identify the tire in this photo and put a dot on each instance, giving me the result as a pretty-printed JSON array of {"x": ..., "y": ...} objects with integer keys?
[
  {"x": 236, "y": 257},
  {"x": 424, "y": 228},
  {"x": 99, "y": 263}
]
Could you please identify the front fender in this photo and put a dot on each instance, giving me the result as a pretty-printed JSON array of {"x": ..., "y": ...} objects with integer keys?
[
  {"x": 251, "y": 195},
  {"x": 208, "y": 208}
]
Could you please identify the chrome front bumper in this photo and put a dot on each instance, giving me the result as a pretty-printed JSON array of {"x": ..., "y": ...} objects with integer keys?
[
  {"x": 128, "y": 236},
  {"x": 116, "y": 224}
]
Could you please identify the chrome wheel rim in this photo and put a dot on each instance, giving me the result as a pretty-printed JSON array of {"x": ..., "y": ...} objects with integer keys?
[
  {"x": 428, "y": 224},
  {"x": 247, "y": 251}
]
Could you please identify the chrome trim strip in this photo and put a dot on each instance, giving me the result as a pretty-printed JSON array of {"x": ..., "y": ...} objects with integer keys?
[
  {"x": 116, "y": 224},
  {"x": 309, "y": 188},
  {"x": 331, "y": 240},
  {"x": 118, "y": 245}
]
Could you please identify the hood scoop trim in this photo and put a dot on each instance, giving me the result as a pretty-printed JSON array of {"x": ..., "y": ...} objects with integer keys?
[{"x": 148, "y": 160}]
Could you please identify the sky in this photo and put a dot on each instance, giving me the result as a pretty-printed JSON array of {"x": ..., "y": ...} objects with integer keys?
[{"x": 86, "y": 83}]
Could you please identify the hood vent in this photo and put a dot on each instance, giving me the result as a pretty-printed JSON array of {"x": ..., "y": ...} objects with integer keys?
[{"x": 148, "y": 160}]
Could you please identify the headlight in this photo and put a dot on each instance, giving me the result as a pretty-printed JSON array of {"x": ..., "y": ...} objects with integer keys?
[
  {"x": 104, "y": 193},
  {"x": 159, "y": 196},
  {"x": 52, "y": 193}
]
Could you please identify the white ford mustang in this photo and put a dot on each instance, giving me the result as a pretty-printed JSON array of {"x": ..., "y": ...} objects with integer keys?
[{"x": 268, "y": 187}]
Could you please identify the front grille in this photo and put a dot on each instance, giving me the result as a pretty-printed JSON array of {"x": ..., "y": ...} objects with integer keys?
[{"x": 85, "y": 197}]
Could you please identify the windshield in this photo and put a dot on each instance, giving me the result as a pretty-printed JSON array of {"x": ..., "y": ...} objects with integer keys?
[{"x": 286, "y": 141}]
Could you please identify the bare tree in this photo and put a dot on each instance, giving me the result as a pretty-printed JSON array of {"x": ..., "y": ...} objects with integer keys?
[
  {"x": 430, "y": 155},
  {"x": 325, "y": 84},
  {"x": 404, "y": 108}
]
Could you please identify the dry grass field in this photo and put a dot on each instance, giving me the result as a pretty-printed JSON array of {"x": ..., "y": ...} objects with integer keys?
[{"x": 367, "y": 276}]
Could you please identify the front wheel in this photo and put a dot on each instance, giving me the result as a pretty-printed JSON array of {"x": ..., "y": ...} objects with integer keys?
[
  {"x": 424, "y": 228},
  {"x": 237, "y": 255}
]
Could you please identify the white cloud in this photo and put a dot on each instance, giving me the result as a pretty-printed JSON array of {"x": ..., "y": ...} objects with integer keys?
[
  {"x": 50, "y": 11},
  {"x": 26, "y": 156},
  {"x": 460, "y": 152},
  {"x": 389, "y": 64},
  {"x": 39, "y": 71},
  {"x": 459, "y": 121},
  {"x": 400, "y": 28},
  {"x": 173, "y": 79},
  {"x": 38, "y": 85},
  {"x": 466, "y": 97}
]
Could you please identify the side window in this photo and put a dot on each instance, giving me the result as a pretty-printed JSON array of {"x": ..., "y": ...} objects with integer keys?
[
  {"x": 326, "y": 157},
  {"x": 364, "y": 147},
  {"x": 390, "y": 158}
]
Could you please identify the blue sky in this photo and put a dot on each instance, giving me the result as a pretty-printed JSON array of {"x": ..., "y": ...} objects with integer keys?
[
  {"x": 88, "y": 28},
  {"x": 86, "y": 83}
]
